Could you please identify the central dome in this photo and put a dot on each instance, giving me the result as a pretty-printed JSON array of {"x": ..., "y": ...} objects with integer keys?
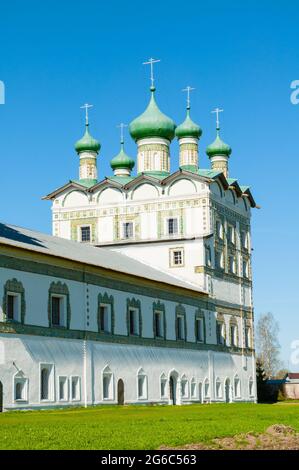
[{"x": 152, "y": 123}]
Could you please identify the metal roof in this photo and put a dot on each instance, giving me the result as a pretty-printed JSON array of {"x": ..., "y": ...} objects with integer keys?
[{"x": 101, "y": 257}]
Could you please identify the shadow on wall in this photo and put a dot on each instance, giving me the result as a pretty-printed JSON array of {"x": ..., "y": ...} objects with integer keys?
[{"x": 12, "y": 234}]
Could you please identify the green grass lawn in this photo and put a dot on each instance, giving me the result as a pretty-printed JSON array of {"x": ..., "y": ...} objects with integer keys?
[{"x": 138, "y": 427}]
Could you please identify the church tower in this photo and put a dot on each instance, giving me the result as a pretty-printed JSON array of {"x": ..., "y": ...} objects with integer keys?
[
  {"x": 122, "y": 164},
  {"x": 153, "y": 131},
  {"x": 87, "y": 148},
  {"x": 188, "y": 134},
  {"x": 219, "y": 152}
]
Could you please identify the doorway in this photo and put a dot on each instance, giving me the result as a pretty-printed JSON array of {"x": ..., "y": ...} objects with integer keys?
[{"x": 120, "y": 392}]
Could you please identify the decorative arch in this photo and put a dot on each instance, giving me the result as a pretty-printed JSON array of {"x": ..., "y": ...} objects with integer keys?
[
  {"x": 233, "y": 330},
  {"x": 221, "y": 329},
  {"x": 206, "y": 389},
  {"x": 137, "y": 191},
  {"x": 216, "y": 189},
  {"x": 163, "y": 386},
  {"x": 237, "y": 386},
  {"x": 109, "y": 196},
  {"x": 176, "y": 190},
  {"x": 141, "y": 384},
  {"x": 105, "y": 299},
  {"x": 193, "y": 392},
  {"x": 60, "y": 288},
  {"x": 134, "y": 304},
  {"x": 107, "y": 383},
  {"x": 82, "y": 196},
  {"x": 180, "y": 312},
  {"x": 230, "y": 196},
  {"x": 159, "y": 307},
  {"x": 218, "y": 388},
  {"x": 15, "y": 287}
]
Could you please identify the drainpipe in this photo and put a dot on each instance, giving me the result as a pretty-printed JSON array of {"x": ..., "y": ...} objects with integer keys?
[{"x": 85, "y": 343}]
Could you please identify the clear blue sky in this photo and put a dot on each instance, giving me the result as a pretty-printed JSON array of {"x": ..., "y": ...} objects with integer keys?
[{"x": 56, "y": 55}]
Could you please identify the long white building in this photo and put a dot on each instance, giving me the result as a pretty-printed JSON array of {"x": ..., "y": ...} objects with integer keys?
[{"x": 154, "y": 304}]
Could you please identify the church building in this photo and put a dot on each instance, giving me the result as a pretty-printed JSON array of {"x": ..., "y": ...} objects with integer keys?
[{"x": 144, "y": 292}]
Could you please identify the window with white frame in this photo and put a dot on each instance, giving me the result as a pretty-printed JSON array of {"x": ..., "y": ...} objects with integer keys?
[
  {"x": 63, "y": 388},
  {"x": 163, "y": 386},
  {"x": 105, "y": 318},
  {"x": 206, "y": 389},
  {"x": 13, "y": 306},
  {"x": 176, "y": 257},
  {"x": 128, "y": 230},
  {"x": 193, "y": 388},
  {"x": 245, "y": 267},
  {"x": 244, "y": 239},
  {"x": 75, "y": 388},
  {"x": 159, "y": 324},
  {"x": 219, "y": 229},
  {"x": 219, "y": 259},
  {"x": 141, "y": 385},
  {"x": 247, "y": 337},
  {"x": 184, "y": 387},
  {"x": 20, "y": 387},
  {"x": 85, "y": 233},
  {"x": 134, "y": 321},
  {"x": 237, "y": 387},
  {"x": 231, "y": 234},
  {"x": 231, "y": 264},
  {"x": 208, "y": 256},
  {"x": 234, "y": 334},
  {"x": 46, "y": 382},
  {"x": 172, "y": 226},
  {"x": 180, "y": 327},
  {"x": 58, "y": 303},
  {"x": 220, "y": 329},
  {"x": 107, "y": 384},
  {"x": 199, "y": 329},
  {"x": 218, "y": 388}
]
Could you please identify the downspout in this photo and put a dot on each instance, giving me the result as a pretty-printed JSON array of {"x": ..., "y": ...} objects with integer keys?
[{"x": 85, "y": 343}]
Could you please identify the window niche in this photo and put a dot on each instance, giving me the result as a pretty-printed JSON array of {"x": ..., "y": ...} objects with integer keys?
[
  {"x": 233, "y": 333},
  {"x": 200, "y": 327},
  {"x": 134, "y": 319},
  {"x": 221, "y": 330},
  {"x": 107, "y": 384},
  {"x": 181, "y": 323},
  {"x": 59, "y": 307},
  {"x": 141, "y": 385},
  {"x": 159, "y": 320},
  {"x": 14, "y": 306},
  {"x": 20, "y": 387},
  {"x": 105, "y": 314}
]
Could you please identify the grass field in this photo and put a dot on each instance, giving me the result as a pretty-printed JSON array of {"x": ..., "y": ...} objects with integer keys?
[{"x": 138, "y": 427}]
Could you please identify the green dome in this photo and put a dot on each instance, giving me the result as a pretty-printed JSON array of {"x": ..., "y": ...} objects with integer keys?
[
  {"x": 218, "y": 147},
  {"x": 87, "y": 143},
  {"x": 152, "y": 123},
  {"x": 188, "y": 128},
  {"x": 122, "y": 160}
]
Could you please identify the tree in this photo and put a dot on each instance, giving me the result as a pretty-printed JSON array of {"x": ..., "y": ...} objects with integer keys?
[
  {"x": 263, "y": 389},
  {"x": 267, "y": 344}
]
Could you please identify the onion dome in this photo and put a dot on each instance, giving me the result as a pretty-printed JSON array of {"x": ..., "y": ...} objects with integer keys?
[
  {"x": 188, "y": 128},
  {"x": 122, "y": 160},
  {"x": 87, "y": 143},
  {"x": 152, "y": 123},
  {"x": 218, "y": 147}
]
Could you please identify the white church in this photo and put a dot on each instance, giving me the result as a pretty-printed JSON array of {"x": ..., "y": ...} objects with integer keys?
[{"x": 143, "y": 294}]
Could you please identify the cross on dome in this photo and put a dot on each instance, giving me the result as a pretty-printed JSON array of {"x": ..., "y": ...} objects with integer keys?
[
  {"x": 121, "y": 126},
  {"x": 188, "y": 89},
  {"x": 151, "y": 62},
  {"x": 217, "y": 111},
  {"x": 86, "y": 106}
]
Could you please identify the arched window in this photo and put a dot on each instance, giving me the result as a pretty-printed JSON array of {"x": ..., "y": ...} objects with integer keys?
[
  {"x": 218, "y": 388},
  {"x": 107, "y": 381},
  {"x": 206, "y": 389},
  {"x": 141, "y": 385},
  {"x": 193, "y": 388},
  {"x": 237, "y": 387},
  {"x": 45, "y": 378},
  {"x": 184, "y": 387},
  {"x": 163, "y": 386},
  {"x": 251, "y": 387}
]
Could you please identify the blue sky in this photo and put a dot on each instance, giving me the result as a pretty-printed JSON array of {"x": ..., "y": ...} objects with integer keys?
[{"x": 57, "y": 55}]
